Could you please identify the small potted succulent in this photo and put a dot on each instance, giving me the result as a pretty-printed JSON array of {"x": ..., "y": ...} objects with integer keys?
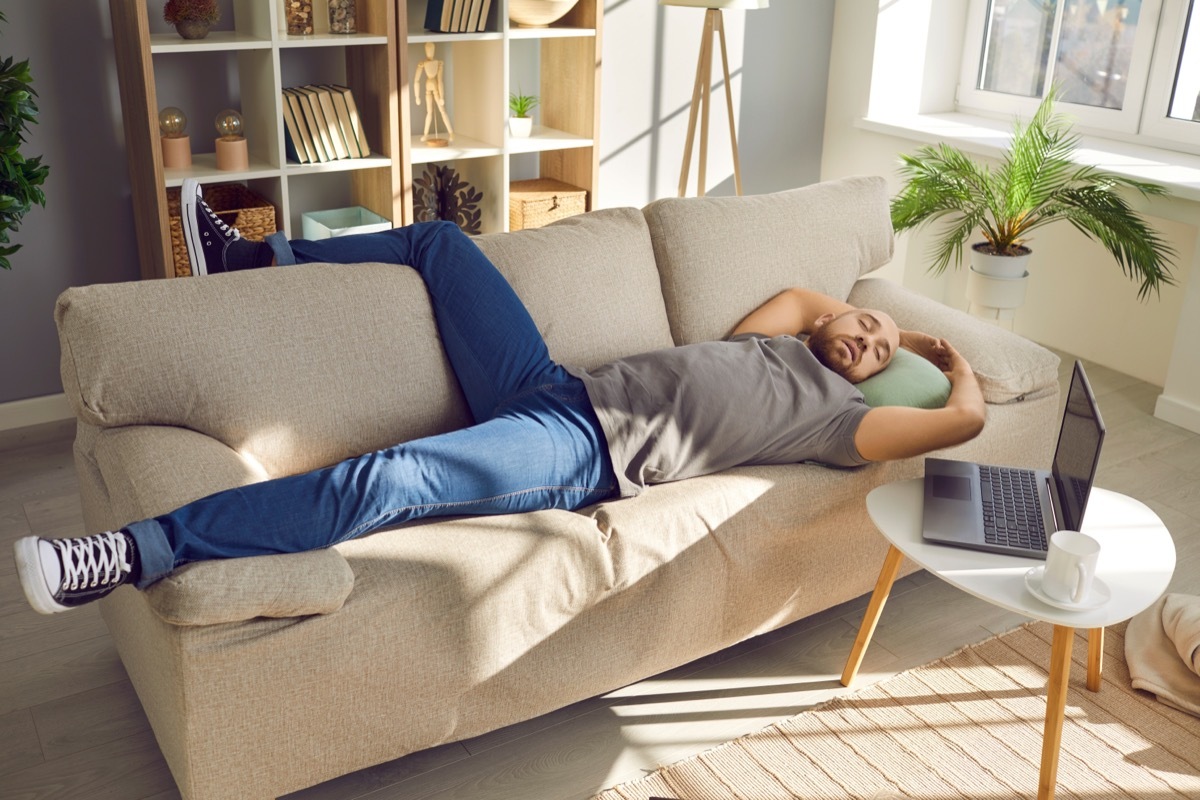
[
  {"x": 520, "y": 123},
  {"x": 191, "y": 18}
]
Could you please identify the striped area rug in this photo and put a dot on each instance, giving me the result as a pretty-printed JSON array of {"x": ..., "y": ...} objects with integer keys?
[{"x": 966, "y": 726}]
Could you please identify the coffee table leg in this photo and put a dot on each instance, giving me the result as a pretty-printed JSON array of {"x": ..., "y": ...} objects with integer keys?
[
  {"x": 883, "y": 586},
  {"x": 1095, "y": 658},
  {"x": 1056, "y": 705}
]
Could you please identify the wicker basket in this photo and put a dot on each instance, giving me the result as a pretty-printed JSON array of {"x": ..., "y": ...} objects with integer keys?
[
  {"x": 532, "y": 204},
  {"x": 237, "y": 206}
]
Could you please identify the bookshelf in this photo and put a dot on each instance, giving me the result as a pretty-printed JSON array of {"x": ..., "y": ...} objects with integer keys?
[
  {"x": 250, "y": 58},
  {"x": 481, "y": 69}
]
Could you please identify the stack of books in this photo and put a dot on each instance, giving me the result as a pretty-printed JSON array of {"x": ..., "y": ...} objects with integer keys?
[
  {"x": 321, "y": 123},
  {"x": 456, "y": 16}
]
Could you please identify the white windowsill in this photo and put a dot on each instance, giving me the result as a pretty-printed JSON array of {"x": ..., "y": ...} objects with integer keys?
[{"x": 1178, "y": 172}]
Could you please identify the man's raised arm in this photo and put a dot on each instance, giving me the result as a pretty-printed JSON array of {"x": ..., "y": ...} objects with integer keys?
[{"x": 791, "y": 312}]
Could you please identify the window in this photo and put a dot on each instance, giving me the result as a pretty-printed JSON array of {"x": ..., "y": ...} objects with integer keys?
[{"x": 1129, "y": 68}]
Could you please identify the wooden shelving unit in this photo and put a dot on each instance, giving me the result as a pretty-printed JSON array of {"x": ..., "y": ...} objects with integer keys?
[
  {"x": 259, "y": 59},
  {"x": 264, "y": 58},
  {"x": 482, "y": 69}
]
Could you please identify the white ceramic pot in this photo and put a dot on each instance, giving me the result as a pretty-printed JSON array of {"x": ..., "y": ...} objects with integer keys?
[
  {"x": 999, "y": 266},
  {"x": 995, "y": 291},
  {"x": 520, "y": 127},
  {"x": 538, "y": 13}
]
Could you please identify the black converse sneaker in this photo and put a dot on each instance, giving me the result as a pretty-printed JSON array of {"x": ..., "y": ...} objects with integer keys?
[
  {"x": 60, "y": 574},
  {"x": 212, "y": 245}
]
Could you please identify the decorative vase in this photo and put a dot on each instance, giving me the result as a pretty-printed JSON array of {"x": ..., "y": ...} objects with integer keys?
[
  {"x": 299, "y": 17},
  {"x": 538, "y": 13},
  {"x": 192, "y": 28},
  {"x": 999, "y": 266},
  {"x": 342, "y": 14},
  {"x": 520, "y": 127}
]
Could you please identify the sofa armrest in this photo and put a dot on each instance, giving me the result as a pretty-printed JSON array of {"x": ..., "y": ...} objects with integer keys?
[
  {"x": 150, "y": 470},
  {"x": 1009, "y": 368}
]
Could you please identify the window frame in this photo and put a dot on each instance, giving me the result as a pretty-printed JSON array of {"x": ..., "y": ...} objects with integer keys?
[{"x": 1143, "y": 117}]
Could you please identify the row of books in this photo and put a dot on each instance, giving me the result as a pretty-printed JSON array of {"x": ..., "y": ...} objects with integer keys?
[
  {"x": 321, "y": 123},
  {"x": 457, "y": 16}
]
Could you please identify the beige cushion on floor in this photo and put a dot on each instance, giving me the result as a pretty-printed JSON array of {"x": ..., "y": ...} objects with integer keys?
[
  {"x": 235, "y": 589},
  {"x": 722, "y": 257}
]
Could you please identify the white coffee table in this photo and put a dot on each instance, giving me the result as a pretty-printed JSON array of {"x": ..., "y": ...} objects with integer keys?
[{"x": 1137, "y": 559}]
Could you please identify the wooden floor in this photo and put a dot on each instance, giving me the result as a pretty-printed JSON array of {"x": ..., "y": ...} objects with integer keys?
[{"x": 71, "y": 726}]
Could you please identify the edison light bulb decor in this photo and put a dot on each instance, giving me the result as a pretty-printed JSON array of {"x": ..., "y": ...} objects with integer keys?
[
  {"x": 176, "y": 144},
  {"x": 232, "y": 151},
  {"x": 229, "y": 124},
  {"x": 172, "y": 122}
]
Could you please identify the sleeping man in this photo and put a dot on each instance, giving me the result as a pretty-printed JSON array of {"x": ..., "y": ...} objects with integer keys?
[{"x": 780, "y": 389}]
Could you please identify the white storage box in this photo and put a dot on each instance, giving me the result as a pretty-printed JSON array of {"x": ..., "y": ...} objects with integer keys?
[{"x": 341, "y": 222}]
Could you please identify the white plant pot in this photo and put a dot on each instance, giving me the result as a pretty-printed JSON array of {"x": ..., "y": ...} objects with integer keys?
[
  {"x": 520, "y": 127},
  {"x": 999, "y": 266},
  {"x": 1001, "y": 293}
]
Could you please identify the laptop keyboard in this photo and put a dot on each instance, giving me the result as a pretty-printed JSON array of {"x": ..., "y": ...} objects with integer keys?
[{"x": 1012, "y": 515}]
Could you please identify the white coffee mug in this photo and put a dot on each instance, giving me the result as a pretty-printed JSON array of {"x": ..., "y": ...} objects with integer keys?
[{"x": 1070, "y": 566}]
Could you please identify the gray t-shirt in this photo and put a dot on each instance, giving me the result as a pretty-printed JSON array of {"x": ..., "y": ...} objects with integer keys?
[{"x": 701, "y": 408}]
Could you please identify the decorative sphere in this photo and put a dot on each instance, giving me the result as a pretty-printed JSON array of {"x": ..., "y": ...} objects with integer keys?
[
  {"x": 229, "y": 124},
  {"x": 172, "y": 122}
]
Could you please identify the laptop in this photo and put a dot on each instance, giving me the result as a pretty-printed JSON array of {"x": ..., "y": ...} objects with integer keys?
[{"x": 1012, "y": 510}]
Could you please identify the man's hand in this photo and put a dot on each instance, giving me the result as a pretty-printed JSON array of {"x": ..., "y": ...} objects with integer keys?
[{"x": 922, "y": 344}]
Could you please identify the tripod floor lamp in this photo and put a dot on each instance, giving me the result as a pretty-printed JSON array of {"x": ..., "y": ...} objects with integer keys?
[{"x": 701, "y": 91}]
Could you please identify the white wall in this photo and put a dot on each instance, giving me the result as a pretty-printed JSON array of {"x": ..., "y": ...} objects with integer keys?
[{"x": 1078, "y": 299}]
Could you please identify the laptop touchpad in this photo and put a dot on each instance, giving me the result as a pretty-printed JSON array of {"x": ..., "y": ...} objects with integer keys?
[{"x": 950, "y": 487}]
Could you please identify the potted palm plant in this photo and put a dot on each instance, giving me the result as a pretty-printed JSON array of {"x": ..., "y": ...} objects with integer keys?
[
  {"x": 21, "y": 177},
  {"x": 1036, "y": 184}
]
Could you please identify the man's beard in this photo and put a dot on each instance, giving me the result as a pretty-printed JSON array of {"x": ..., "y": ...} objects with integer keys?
[{"x": 824, "y": 347}]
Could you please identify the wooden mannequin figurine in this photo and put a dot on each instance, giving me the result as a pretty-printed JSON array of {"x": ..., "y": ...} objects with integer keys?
[{"x": 435, "y": 92}]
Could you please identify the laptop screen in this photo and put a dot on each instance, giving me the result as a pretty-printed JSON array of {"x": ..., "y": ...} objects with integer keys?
[{"x": 1078, "y": 451}]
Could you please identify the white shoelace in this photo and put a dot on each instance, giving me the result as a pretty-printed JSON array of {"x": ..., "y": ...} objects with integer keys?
[
  {"x": 93, "y": 561},
  {"x": 225, "y": 229}
]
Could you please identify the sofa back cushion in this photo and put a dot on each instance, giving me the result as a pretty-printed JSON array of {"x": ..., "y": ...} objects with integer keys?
[
  {"x": 722, "y": 257},
  {"x": 294, "y": 367},
  {"x": 590, "y": 283}
]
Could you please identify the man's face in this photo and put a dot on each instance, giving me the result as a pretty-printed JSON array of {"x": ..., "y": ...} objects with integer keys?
[{"x": 856, "y": 344}]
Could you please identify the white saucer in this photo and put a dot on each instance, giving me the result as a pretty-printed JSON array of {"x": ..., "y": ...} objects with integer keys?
[{"x": 1099, "y": 595}]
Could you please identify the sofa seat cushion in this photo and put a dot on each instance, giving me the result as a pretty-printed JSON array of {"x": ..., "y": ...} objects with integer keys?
[{"x": 722, "y": 257}]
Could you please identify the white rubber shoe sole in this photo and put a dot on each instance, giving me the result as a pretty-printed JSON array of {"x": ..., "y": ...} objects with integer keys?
[
  {"x": 33, "y": 579},
  {"x": 188, "y": 195}
]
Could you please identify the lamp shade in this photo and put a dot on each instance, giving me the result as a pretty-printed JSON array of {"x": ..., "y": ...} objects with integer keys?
[{"x": 746, "y": 5}]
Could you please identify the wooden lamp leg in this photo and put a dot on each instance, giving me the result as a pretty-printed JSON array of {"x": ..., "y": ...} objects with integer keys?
[
  {"x": 737, "y": 167},
  {"x": 1056, "y": 705},
  {"x": 699, "y": 91},
  {"x": 883, "y": 587}
]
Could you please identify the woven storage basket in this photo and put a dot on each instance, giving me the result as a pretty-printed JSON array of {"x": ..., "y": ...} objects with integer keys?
[
  {"x": 532, "y": 204},
  {"x": 237, "y": 206}
]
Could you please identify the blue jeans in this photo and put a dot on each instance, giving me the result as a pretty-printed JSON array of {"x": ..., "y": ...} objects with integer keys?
[{"x": 535, "y": 444}]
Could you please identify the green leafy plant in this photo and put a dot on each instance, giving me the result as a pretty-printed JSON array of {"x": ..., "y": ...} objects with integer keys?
[
  {"x": 176, "y": 11},
  {"x": 1037, "y": 183},
  {"x": 521, "y": 104},
  {"x": 20, "y": 177}
]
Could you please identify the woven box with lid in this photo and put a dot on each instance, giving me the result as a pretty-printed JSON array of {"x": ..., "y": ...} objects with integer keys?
[
  {"x": 237, "y": 206},
  {"x": 538, "y": 202}
]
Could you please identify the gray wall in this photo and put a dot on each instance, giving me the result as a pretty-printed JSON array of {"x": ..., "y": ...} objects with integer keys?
[{"x": 85, "y": 233}]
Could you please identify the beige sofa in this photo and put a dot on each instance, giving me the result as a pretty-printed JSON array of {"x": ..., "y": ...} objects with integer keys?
[{"x": 262, "y": 676}]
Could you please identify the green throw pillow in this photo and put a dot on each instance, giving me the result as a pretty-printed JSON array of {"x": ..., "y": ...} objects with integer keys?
[{"x": 908, "y": 381}]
